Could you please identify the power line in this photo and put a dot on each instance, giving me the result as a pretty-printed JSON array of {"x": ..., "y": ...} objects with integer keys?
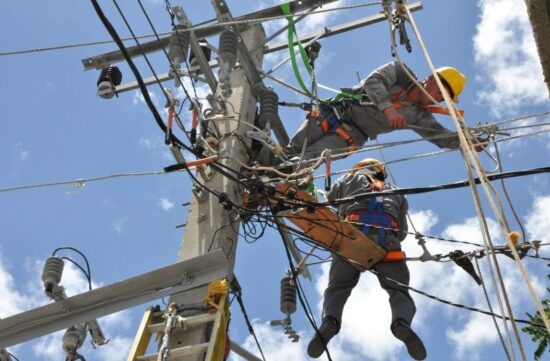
[
  {"x": 201, "y": 26},
  {"x": 454, "y": 304}
]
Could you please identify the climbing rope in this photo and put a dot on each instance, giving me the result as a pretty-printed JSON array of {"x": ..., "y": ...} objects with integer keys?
[{"x": 467, "y": 148}]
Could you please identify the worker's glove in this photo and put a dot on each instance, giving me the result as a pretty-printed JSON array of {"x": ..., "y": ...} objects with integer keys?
[
  {"x": 479, "y": 144},
  {"x": 395, "y": 118}
]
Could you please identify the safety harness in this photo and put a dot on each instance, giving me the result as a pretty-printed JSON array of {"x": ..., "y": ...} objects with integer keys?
[
  {"x": 434, "y": 109},
  {"x": 331, "y": 124},
  {"x": 375, "y": 216}
]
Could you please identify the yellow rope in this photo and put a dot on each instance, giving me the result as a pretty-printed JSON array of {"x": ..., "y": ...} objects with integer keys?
[{"x": 216, "y": 289}]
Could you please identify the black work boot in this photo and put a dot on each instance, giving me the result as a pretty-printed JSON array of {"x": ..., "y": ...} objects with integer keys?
[
  {"x": 402, "y": 331},
  {"x": 328, "y": 329}
]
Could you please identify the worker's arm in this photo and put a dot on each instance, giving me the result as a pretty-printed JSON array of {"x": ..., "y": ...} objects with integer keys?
[
  {"x": 378, "y": 84},
  {"x": 378, "y": 87},
  {"x": 430, "y": 129},
  {"x": 335, "y": 190}
]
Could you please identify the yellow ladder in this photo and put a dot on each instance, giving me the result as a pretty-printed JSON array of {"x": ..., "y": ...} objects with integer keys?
[{"x": 216, "y": 301}]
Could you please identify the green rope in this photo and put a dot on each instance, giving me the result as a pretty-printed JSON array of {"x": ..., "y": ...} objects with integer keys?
[
  {"x": 285, "y": 8},
  {"x": 291, "y": 32}
]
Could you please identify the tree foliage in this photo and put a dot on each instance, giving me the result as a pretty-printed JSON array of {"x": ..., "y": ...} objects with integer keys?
[{"x": 539, "y": 334}]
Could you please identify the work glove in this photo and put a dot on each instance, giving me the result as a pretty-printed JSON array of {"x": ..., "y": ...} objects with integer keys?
[
  {"x": 395, "y": 118},
  {"x": 479, "y": 144}
]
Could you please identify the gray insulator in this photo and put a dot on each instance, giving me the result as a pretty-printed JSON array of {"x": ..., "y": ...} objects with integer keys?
[
  {"x": 111, "y": 75},
  {"x": 109, "y": 79},
  {"x": 178, "y": 46},
  {"x": 74, "y": 337},
  {"x": 53, "y": 270},
  {"x": 288, "y": 296},
  {"x": 269, "y": 108},
  {"x": 228, "y": 48}
]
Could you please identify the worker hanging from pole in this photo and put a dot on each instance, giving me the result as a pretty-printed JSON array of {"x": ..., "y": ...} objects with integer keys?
[
  {"x": 389, "y": 99},
  {"x": 385, "y": 101},
  {"x": 383, "y": 219}
]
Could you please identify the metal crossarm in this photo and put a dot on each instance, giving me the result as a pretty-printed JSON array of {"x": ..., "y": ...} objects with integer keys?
[{"x": 116, "y": 297}]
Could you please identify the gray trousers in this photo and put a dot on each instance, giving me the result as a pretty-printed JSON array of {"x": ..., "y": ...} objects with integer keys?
[
  {"x": 343, "y": 277},
  {"x": 311, "y": 134}
]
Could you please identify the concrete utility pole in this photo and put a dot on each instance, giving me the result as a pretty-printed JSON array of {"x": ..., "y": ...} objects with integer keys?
[
  {"x": 539, "y": 16},
  {"x": 209, "y": 225}
]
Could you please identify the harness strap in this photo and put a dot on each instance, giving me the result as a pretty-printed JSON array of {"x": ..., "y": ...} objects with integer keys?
[
  {"x": 434, "y": 109},
  {"x": 376, "y": 218},
  {"x": 331, "y": 125},
  {"x": 394, "y": 256}
]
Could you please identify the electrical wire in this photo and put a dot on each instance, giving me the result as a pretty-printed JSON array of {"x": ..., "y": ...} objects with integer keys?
[
  {"x": 238, "y": 295},
  {"x": 299, "y": 291},
  {"x": 167, "y": 98},
  {"x": 488, "y": 300},
  {"x": 454, "y": 304},
  {"x": 87, "y": 272},
  {"x": 80, "y": 181},
  {"x": 201, "y": 26},
  {"x": 474, "y": 161},
  {"x": 135, "y": 71},
  {"x": 12, "y": 355},
  {"x": 418, "y": 190},
  {"x": 508, "y": 198}
]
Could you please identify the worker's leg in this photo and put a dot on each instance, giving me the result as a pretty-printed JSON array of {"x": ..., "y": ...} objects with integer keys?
[
  {"x": 334, "y": 142},
  {"x": 343, "y": 277},
  {"x": 309, "y": 132},
  {"x": 402, "y": 306},
  {"x": 401, "y": 302}
]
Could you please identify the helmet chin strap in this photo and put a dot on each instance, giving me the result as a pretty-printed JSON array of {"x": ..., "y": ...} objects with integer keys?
[{"x": 370, "y": 174}]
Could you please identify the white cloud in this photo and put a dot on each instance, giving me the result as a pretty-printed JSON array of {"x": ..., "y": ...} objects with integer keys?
[
  {"x": 367, "y": 315},
  {"x": 538, "y": 220},
  {"x": 15, "y": 300},
  {"x": 50, "y": 347},
  {"x": 12, "y": 301},
  {"x": 271, "y": 339},
  {"x": 505, "y": 52},
  {"x": 151, "y": 142},
  {"x": 22, "y": 153},
  {"x": 317, "y": 22},
  {"x": 118, "y": 225},
  {"x": 166, "y": 204},
  {"x": 116, "y": 350},
  {"x": 138, "y": 98},
  {"x": 475, "y": 333}
]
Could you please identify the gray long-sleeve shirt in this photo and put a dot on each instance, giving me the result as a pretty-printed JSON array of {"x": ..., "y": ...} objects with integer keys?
[
  {"x": 396, "y": 205},
  {"x": 379, "y": 87}
]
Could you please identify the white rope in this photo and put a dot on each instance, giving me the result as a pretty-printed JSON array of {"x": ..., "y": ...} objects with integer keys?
[{"x": 468, "y": 149}]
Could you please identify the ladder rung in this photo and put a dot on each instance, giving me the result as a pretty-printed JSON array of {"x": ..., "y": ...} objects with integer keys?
[
  {"x": 177, "y": 352},
  {"x": 191, "y": 321}
]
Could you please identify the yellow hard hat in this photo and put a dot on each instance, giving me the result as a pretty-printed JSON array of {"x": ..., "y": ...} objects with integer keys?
[
  {"x": 372, "y": 166},
  {"x": 454, "y": 80}
]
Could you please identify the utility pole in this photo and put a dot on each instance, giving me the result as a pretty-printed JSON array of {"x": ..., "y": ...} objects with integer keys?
[
  {"x": 539, "y": 16},
  {"x": 209, "y": 245},
  {"x": 210, "y": 225}
]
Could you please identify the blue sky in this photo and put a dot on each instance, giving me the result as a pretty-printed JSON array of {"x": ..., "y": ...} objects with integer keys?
[{"x": 55, "y": 128}]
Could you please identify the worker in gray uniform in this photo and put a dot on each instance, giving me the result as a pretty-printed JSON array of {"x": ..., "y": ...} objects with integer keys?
[
  {"x": 385, "y": 101},
  {"x": 383, "y": 219}
]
